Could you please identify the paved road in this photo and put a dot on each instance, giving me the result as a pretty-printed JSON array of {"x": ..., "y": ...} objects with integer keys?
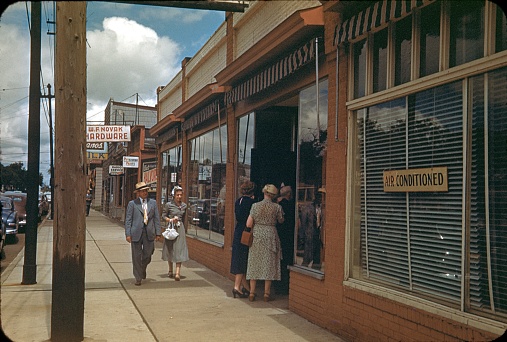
[{"x": 12, "y": 249}]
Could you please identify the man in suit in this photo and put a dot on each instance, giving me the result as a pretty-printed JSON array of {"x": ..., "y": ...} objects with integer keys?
[{"x": 142, "y": 228}]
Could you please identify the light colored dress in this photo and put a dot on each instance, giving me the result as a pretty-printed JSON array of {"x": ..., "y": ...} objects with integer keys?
[
  {"x": 175, "y": 250},
  {"x": 265, "y": 253}
]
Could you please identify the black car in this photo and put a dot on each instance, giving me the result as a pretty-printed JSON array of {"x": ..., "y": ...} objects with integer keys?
[
  {"x": 10, "y": 218},
  {"x": 2, "y": 235}
]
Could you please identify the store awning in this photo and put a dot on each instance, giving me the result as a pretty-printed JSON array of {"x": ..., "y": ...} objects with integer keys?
[{"x": 375, "y": 18}]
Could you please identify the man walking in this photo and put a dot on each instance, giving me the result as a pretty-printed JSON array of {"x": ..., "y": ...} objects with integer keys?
[{"x": 142, "y": 228}]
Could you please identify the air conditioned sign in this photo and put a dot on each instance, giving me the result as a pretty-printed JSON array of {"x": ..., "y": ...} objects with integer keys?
[
  {"x": 432, "y": 179},
  {"x": 107, "y": 133}
]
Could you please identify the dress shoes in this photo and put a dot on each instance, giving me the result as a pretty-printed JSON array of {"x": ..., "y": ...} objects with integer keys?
[{"x": 137, "y": 283}]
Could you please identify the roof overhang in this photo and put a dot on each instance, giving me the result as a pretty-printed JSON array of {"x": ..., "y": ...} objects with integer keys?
[{"x": 302, "y": 25}]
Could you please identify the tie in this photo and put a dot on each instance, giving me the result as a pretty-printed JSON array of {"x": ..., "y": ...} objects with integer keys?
[{"x": 145, "y": 212}]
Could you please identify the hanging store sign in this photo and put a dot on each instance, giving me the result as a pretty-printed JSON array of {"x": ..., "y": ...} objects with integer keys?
[
  {"x": 130, "y": 162},
  {"x": 116, "y": 170},
  {"x": 107, "y": 133},
  {"x": 94, "y": 156},
  {"x": 432, "y": 179}
]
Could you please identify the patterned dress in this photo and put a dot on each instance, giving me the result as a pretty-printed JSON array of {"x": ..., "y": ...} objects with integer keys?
[
  {"x": 265, "y": 253},
  {"x": 239, "y": 258},
  {"x": 175, "y": 250}
]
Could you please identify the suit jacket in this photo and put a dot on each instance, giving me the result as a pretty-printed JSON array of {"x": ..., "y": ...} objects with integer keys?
[{"x": 134, "y": 221}]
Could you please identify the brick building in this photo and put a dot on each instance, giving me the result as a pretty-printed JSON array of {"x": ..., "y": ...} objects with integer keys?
[{"x": 387, "y": 117}]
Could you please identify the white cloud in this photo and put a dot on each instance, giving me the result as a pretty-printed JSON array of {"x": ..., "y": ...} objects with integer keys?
[{"x": 125, "y": 58}]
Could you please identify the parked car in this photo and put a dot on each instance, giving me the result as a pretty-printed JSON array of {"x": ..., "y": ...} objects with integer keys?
[
  {"x": 2, "y": 235},
  {"x": 19, "y": 199},
  {"x": 10, "y": 218},
  {"x": 198, "y": 212}
]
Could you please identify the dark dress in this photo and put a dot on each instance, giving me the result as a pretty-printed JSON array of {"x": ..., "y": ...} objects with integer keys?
[{"x": 239, "y": 258}]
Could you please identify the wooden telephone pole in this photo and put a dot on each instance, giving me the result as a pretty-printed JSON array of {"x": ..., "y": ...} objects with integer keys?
[{"x": 69, "y": 222}]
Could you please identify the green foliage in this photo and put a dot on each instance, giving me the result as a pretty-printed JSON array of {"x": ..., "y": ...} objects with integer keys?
[{"x": 14, "y": 177}]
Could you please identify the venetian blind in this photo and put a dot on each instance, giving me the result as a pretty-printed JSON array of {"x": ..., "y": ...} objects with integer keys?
[{"x": 435, "y": 219}]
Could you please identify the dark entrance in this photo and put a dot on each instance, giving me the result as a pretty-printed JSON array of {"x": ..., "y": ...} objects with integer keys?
[
  {"x": 274, "y": 156},
  {"x": 274, "y": 162}
]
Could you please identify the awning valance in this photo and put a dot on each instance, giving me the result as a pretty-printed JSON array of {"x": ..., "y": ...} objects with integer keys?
[
  {"x": 204, "y": 114},
  {"x": 375, "y": 17}
]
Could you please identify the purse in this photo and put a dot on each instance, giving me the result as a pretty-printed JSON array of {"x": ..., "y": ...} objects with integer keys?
[
  {"x": 247, "y": 237},
  {"x": 170, "y": 233}
]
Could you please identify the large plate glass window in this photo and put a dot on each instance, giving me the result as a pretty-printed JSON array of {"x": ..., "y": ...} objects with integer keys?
[
  {"x": 311, "y": 199},
  {"x": 246, "y": 142},
  {"x": 206, "y": 185},
  {"x": 171, "y": 172}
]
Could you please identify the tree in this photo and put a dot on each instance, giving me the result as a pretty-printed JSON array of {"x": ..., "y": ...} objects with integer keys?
[{"x": 13, "y": 177}]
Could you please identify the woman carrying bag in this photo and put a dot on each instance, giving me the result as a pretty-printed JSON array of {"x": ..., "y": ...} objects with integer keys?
[{"x": 175, "y": 250}]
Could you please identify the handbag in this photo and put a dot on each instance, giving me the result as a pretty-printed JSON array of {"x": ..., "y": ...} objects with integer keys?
[
  {"x": 247, "y": 237},
  {"x": 170, "y": 233}
]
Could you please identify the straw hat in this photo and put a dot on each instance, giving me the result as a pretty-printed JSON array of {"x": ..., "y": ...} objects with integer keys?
[
  {"x": 142, "y": 186},
  {"x": 270, "y": 189}
]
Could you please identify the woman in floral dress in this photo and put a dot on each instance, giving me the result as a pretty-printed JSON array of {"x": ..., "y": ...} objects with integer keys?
[{"x": 265, "y": 253}]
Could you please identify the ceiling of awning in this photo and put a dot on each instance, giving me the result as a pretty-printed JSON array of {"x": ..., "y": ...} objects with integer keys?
[{"x": 213, "y": 5}]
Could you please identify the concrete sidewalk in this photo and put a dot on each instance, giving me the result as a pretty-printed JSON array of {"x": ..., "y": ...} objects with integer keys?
[{"x": 200, "y": 307}]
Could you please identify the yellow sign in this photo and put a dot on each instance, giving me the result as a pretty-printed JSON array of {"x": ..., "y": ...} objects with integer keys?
[
  {"x": 94, "y": 155},
  {"x": 432, "y": 179}
]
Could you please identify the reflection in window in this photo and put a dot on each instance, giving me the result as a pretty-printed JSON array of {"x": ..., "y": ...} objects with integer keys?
[
  {"x": 171, "y": 172},
  {"x": 380, "y": 61},
  {"x": 310, "y": 190},
  {"x": 430, "y": 40},
  {"x": 403, "y": 51},
  {"x": 501, "y": 30},
  {"x": 206, "y": 185},
  {"x": 360, "y": 68},
  {"x": 467, "y": 32},
  {"x": 246, "y": 135}
]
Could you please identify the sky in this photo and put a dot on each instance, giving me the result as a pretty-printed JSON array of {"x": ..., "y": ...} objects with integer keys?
[{"x": 131, "y": 49}]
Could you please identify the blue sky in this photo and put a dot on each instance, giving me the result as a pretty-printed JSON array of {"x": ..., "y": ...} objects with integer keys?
[{"x": 131, "y": 49}]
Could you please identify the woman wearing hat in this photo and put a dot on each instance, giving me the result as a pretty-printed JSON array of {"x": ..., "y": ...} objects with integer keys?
[
  {"x": 265, "y": 253},
  {"x": 175, "y": 250},
  {"x": 239, "y": 258}
]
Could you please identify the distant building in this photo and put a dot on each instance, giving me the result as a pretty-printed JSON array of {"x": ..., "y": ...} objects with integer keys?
[{"x": 117, "y": 189}]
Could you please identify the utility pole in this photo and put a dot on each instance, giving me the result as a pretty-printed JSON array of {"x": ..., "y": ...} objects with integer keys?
[
  {"x": 51, "y": 165},
  {"x": 69, "y": 225},
  {"x": 32, "y": 191}
]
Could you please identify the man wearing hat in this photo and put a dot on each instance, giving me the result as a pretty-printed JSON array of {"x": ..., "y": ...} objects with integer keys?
[{"x": 142, "y": 228}]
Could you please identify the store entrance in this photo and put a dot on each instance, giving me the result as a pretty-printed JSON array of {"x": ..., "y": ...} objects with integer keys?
[{"x": 274, "y": 155}]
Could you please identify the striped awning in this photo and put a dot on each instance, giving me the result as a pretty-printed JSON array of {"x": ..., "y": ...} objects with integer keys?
[
  {"x": 376, "y": 17},
  {"x": 202, "y": 115}
]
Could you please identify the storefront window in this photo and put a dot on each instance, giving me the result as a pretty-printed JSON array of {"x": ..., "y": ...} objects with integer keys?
[
  {"x": 467, "y": 32},
  {"x": 311, "y": 187},
  {"x": 246, "y": 135},
  {"x": 360, "y": 68},
  {"x": 380, "y": 61},
  {"x": 429, "y": 40},
  {"x": 415, "y": 239},
  {"x": 403, "y": 51},
  {"x": 171, "y": 172},
  {"x": 206, "y": 185}
]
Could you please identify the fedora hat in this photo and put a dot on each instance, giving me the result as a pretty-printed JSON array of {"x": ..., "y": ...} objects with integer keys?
[{"x": 142, "y": 186}]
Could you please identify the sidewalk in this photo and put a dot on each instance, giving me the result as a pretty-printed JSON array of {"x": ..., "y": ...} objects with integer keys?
[{"x": 200, "y": 307}]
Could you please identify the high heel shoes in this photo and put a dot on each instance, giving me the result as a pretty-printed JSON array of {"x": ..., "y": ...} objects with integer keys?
[
  {"x": 267, "y": 297},
  {"x": 245, "y": 292},
  {"x": 251, "y": 297},
  {"x": 239, "y": 294}
]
